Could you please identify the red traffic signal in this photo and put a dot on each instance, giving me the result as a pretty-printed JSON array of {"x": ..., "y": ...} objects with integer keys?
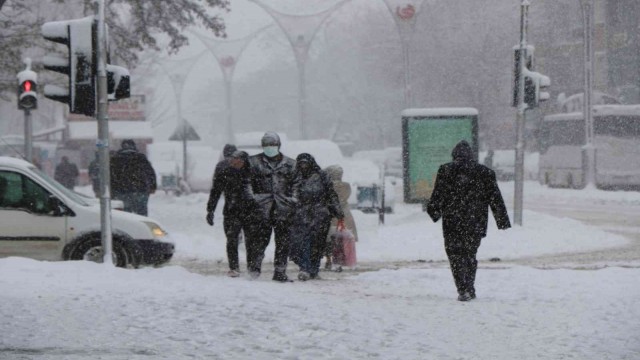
[{"x": 27, "y": 89}]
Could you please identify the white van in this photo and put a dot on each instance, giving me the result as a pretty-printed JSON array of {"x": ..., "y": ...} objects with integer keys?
[{"x": 43, "y": 220}]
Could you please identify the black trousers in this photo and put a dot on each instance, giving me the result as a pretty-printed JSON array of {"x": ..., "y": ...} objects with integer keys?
[
  {"x": 257, "y": 239},
  {"x": 461, "y": 251},
  {"x": 233, "y": 224}
]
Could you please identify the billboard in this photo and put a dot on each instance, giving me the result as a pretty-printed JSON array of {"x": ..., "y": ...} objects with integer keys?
[{"x": 428, "y": 137}]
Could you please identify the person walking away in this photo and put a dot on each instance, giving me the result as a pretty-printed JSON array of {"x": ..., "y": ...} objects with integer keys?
[
  {"x": 343, "y": 189},
  {"x": 230, "y": 178},
  {"x": 133, "y": 178},
  {"x": 317, "y": 204},
  {"x": 463, "y": 193},
  {"x": 66, "y": 173},
  {"x": 94, "y": 175},
  {"x": 270, "y": 186}
]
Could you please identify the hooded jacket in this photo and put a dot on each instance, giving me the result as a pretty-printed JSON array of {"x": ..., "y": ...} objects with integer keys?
[
  {"x": 463, "y": 193},
  {"x": 317, "y": 200},
  {"x": 343, "y": 189}
]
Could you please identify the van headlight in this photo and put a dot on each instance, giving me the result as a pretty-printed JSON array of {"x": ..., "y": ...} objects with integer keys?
[{"x": 156, "y": 230}]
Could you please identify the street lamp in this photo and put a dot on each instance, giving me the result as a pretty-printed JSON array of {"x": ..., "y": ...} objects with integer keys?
[
  {"x": 300, "y": 30},
  {"x": 178, "y": 75},
  {"x": 404, "y": 14},
  {"x": 227, "y": 53}
]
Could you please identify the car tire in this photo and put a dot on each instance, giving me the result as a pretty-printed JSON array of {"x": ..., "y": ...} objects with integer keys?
[{"x": 91, "y": 249}]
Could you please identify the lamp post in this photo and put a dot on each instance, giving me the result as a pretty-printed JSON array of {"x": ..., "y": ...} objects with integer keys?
[
  {"x": 587, "y": 104},
  {"x": 404, "y": 14},
  {"x": 178, "y": 75},
  {"x": 227, "y": 53},
  {"x": 300, "y": 30}
]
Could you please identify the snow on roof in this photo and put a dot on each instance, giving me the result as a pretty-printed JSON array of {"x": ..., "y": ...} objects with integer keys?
[
  {"x": 461, "y": 111},
  {"x": 598, "y": 110},
  {"x": 88, "y": 130}
]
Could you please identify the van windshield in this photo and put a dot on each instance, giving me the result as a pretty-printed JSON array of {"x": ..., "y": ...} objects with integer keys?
[{"x": 68, "y": 193}]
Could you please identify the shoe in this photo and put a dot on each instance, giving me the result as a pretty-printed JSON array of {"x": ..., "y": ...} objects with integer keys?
[
  {"x": 303, "y": 276},
  {"x": 254, "y": 274},
  {"x": 281, "y": 277},
  {"x": 233, "y": 273},
  {"x": 464, "y": 297},
  {"x": 327, "y": 265},
  {"x": 315, "y": 277},
  {"x": 338, "y": 269}
]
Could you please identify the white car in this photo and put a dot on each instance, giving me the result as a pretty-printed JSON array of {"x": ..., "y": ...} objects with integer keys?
[{"x": 43, "y": 220}]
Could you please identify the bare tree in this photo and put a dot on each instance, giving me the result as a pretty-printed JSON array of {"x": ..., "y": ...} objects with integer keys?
[{"x": 134, "y": 25}]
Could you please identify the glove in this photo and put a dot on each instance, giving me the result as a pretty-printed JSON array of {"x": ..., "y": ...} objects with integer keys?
[
  {"x": 210, "y": 218},
  {"x": 340, "y": 226}
]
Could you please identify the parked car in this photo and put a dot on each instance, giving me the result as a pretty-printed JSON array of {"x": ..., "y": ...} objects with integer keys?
[{"x": 43, "y": 220}]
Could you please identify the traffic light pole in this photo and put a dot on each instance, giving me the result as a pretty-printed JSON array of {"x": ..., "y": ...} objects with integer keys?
[
  {"x": 103, "y": 142},
  {"x": 521, "y": 106},
  {"x": 28, "y": 136}
]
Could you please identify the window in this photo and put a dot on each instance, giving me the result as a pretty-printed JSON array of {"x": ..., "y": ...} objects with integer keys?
[{"x": 19, "y": 192}]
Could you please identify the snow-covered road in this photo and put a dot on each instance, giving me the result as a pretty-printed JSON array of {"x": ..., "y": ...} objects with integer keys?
[{"x": 399, "y": 303}]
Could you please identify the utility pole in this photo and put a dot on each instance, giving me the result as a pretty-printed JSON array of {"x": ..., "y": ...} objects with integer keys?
[
  {"x": 521, "y": 107},
  {"x": 587, "y": 103},
  {"x": 103, "y": 141}
]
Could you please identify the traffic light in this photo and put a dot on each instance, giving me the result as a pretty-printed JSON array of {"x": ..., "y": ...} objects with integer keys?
[
  {"x": 118, "y": 85},
  {"x": 27, "y": 88},
  {"x": 80, "y": 37},
  {"x": 534, "y": 82}
]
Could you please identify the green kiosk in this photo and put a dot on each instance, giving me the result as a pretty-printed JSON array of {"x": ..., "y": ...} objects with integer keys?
[{"x": 428, "y": 136}]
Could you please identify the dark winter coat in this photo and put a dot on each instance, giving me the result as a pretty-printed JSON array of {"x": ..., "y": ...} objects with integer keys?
[
  {"x": 66, "y": 174},
  {"x": 232, "y": 183},
  {"x": 318, "y": 202},
  {"x": 463, "y": 193},
  {"x": 270, "y": 186},
  {"x": 131, "y": 172}
]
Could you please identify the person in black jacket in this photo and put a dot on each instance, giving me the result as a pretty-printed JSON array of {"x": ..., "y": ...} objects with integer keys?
[
  {"x": 463, "y": 193},
  {"x": 317, "y": 204},
  {"x": 230, "y": 177},
  {"x": 132, "y": 178},
  {"x": 66, "y": 173},
  {"x": 270, "y": 186}
]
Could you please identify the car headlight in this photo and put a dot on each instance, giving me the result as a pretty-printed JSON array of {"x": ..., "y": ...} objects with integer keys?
[{"x": 156, "y": 230}]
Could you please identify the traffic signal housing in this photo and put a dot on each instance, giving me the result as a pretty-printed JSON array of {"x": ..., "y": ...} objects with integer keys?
[
  {"x": 118, "y": 83},
  {"x": 534, "y": 82},
  {"x": 80, "y": 37},
  {"x": 27, "y": 89}
]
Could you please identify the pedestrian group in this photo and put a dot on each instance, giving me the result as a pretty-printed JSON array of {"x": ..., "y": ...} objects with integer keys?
[{"x": 304, "y": 206}]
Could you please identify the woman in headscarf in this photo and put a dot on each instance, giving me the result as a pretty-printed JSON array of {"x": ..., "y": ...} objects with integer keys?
[
  {"x": 317, "y": 204},
  {"x": 343, "y": 189}
]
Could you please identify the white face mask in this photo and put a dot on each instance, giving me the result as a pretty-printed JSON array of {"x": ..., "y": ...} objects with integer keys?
[{"x": 270, "y": 151}]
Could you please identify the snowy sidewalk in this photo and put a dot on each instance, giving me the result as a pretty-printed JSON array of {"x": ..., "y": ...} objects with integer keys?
[{"x": 81, "y": 310}]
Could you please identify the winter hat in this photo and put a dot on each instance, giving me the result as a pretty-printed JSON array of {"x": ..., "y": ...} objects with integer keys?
[
  {"x": 228, "y": 150},
  {"x": 270, "y": 138},
  {"x": 128, "y": 144},
  {"x": 335, "y": 172},
  {"x": 462, "y": 151}
]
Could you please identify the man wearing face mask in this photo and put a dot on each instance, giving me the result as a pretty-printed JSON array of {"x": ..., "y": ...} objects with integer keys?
[{"x": 271, "y": 179}]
